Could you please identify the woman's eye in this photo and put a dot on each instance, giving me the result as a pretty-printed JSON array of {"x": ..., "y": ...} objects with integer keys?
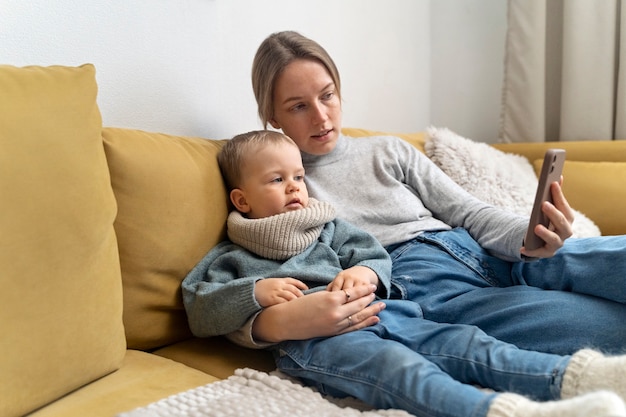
[
  {"x": 328, "y": 95},
  {"x": 297, "y": 107}
]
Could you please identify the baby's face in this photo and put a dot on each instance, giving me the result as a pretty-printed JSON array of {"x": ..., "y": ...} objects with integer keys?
[{"x": 273, "y": 182}]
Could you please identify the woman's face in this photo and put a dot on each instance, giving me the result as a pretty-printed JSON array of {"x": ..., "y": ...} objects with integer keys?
[{"x": 307, "y": 107}]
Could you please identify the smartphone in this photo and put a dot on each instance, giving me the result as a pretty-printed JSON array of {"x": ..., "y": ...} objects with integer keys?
[{"x": 551, "y": 171}]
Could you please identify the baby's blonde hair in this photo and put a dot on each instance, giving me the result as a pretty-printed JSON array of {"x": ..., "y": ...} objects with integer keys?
[{"x": 236, "y": 151}]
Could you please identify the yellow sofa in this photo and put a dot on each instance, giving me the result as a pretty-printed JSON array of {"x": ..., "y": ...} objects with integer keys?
[{"x": 100, "y": 225}]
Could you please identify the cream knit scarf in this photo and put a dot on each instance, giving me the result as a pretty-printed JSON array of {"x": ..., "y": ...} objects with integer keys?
[{"x": 281, "y": 236}]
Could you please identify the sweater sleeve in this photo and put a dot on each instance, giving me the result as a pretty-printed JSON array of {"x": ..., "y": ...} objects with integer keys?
[
  {"x": 216, "y": 299},
  {"x": 498, "y": 231},
  {"x": 357, "y": 247},
  {"x": 243, "y": 336}
]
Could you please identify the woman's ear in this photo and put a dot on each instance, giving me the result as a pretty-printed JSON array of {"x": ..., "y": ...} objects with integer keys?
[
  {"x": 274, "y": 124},
  {"x": 238, "y": 198}
]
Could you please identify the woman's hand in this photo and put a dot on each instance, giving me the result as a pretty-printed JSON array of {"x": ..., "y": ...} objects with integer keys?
[
  {"x": 561, "y": 217},
  {"x": 322, "y": 313}
]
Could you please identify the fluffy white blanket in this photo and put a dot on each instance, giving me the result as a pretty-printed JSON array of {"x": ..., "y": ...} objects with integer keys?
[{"x": 251, "y": 393}]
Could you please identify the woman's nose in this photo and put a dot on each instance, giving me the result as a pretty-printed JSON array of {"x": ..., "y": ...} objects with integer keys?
[{"x": 319, "y": 113}]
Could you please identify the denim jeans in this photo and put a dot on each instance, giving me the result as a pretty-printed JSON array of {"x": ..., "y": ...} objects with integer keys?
[
  {"x": 561, "y": 304},
  {"x": 423, "y": 367},
  {"x": 432, "y": 342}
]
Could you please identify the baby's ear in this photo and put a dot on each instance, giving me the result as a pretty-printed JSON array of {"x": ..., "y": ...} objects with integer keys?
[{"x": 238, "y": 198}]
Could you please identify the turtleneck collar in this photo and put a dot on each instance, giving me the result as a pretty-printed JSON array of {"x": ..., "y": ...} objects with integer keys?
[
  {"x": 281, "y": 236},
  {"x": 316, "y": 160}
]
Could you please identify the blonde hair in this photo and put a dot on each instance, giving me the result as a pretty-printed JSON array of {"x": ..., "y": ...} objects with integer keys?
[
  {"x": 276, "y": 52},
  {"x": 236, "y": 151}
]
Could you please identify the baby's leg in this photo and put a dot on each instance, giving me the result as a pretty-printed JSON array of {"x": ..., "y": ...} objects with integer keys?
[
  {"x": 382, "y": 373},
  {"x": 425, "y": 368}
]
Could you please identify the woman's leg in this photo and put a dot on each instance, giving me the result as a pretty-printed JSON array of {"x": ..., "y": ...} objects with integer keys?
[
  {"x": 455, "y": 281},
  {"x": 592, "y": 266},
  {"x": 423, "y": 367}
]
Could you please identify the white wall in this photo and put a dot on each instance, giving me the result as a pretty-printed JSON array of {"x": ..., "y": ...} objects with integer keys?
[
  {"x": 183, "y": 66},
  {"x": 467, "y": 64}
]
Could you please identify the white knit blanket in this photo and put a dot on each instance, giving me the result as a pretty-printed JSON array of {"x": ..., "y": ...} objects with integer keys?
[{"x": 251, "y": 393}]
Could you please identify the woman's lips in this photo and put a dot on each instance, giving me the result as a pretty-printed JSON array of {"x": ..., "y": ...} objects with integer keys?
[{"x": 323, "y": 135}]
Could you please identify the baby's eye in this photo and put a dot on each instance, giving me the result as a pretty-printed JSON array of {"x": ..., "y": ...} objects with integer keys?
[
  {"x": 277, "y": 179},
  {"x": 299, "y": 177}
]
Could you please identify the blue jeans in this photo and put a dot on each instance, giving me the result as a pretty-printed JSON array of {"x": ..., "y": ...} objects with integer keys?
[
  {"x": 432, "y": 344},
  {"x": 574, "y": 300},
  {"x": 420, "y": 366}
]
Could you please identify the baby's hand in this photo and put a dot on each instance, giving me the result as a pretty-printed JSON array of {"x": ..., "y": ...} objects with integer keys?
[
  {"x": 271, "y": 291},
  {"x": 352, "y": 277}
]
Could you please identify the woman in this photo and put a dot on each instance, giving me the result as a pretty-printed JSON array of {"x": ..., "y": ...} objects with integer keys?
[
  {"x": 409, "y": 205},
  {"x": 459, "y": 260}
]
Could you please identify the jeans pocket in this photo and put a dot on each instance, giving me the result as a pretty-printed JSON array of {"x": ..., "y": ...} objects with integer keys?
[{"x": 460, "y": 246}]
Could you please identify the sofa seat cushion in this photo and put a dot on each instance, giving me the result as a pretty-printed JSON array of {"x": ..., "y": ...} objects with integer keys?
[
  {"x": 142, "y": 379},
  {"x": 172, "y": 208},
  {"x": 217, "y": 356},
  {"x": 61, "y": 298}
]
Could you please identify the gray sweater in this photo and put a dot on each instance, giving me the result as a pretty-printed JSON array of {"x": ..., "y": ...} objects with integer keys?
[{"x": 390, "y": 189}]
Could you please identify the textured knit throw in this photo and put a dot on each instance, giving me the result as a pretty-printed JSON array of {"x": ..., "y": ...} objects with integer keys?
[
  {"x": 281, "y": 236},
  {"x": 251, "y": 393}
]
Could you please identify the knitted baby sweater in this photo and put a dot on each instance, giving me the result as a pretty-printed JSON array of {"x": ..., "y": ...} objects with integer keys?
[{"x": 219, "y": 292}]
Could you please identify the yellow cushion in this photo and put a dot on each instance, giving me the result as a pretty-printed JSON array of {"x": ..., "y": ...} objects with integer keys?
[
  {"x": 61, "y": 298},
  {"x": 417, "y": 139},
  {"x": 143, "y": 378},
  {"x": 217, "y": 356},
  {"x": 590, "y": 150},
  {"x": 172, "y": 208},
  {"x": 597, "y": 190}
]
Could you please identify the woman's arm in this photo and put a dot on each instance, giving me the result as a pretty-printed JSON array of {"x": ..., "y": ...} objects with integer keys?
[
  {"x": 497, "y": 230},
  {"x": 319, "y": 314}
]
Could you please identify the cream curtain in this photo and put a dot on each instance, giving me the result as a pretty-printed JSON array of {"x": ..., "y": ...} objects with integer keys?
[{"x": 563, "y": 79}]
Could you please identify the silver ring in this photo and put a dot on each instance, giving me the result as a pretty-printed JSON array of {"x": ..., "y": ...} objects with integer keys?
[
  {"x": 347, "y": 295},
  {"x": 349, "y": 321}
]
